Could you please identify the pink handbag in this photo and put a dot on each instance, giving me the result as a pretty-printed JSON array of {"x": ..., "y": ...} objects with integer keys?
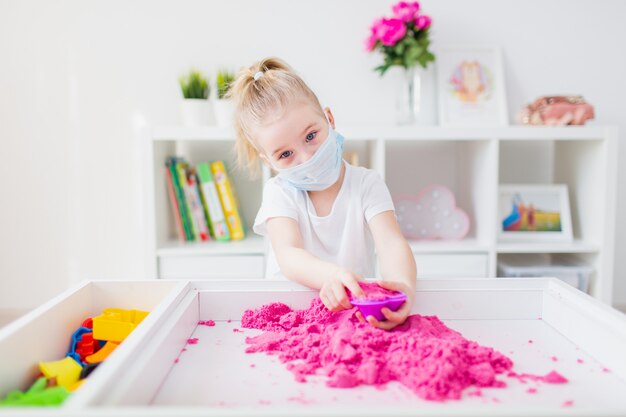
[{"x": 557, "y": 111}]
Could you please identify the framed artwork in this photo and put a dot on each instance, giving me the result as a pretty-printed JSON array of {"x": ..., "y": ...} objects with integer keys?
[
  {"x": 470, "y": 86},
  {"x": 534, "y": 213}
]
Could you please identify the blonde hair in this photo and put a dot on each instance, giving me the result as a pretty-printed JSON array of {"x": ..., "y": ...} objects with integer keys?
[{"x": 273, "y": 90}]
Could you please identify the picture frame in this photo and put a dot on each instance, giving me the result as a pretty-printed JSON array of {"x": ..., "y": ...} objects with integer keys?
[
  {"x": 470, "y": 86},
  {"x": 534, "y": 213}
]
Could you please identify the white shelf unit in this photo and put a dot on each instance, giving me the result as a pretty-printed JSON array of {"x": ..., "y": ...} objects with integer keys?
[{"x": 472, "y": 162}]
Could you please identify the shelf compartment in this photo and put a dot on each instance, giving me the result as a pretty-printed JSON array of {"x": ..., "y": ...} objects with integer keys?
[
  {"x": 590, "y": 259},
  {"x": 581, "y": 165},
  {"x": 467, "y": 168},
  {"x": 366, "y": 152},
  {"x": 248, "y": 191},
  {"x": 568, "y": 268}
]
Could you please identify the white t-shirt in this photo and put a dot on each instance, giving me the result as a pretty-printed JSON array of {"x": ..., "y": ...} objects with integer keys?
[{"x": 341, "y": 237}]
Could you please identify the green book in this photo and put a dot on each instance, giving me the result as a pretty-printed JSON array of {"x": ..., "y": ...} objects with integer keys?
[
  {"x": 181, "y": 168},
  {"x": 211, "y": 202},
  {"x": 180, "y": 196}
]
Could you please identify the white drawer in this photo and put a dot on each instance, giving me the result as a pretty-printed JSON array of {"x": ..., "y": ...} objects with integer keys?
[
  {"x": 462, "y": 265},
  {"x": 211, "y": 267}
]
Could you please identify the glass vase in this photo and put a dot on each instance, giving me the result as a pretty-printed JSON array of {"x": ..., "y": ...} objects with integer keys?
[
  {"x": 408, "y": 105},
  {"x": 416, "y": 97}
]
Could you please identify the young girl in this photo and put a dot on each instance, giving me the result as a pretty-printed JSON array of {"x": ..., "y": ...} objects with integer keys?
[{"x": 324, "y": 217}]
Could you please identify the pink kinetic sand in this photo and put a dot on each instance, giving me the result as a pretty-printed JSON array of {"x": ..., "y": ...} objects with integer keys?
[
  {"x": 192, "y": 341},
  {"x": 435, "y": 362},
  {"x": 552, "y": 377},
  {"x": 209, "y": 323},
  {"x": 374, "y": 292},
  {"x": 475, "y": 393}
]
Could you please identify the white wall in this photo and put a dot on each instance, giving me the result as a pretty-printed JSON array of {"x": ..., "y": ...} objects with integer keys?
[{"x": 78, "y": 80}]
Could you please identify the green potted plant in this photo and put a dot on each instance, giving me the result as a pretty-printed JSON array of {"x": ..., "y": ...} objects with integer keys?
[
  {"x": 196, "y": 108},
  {"x": 223, "y": 105}
]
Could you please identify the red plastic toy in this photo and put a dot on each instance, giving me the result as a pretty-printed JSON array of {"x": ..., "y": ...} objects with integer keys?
[{"x": 86, "y": 346}]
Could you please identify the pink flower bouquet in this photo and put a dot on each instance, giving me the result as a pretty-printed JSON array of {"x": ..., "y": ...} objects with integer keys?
[{"x": 402, "y": 38}]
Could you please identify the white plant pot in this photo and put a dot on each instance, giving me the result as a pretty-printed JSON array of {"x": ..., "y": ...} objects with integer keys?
[
  {"x": 196, "y": 112},
  {"x": 224, "y": 110}
]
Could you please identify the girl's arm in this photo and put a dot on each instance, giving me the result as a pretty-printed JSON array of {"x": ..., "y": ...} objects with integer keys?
[
  {"x": 300, "y": 266},
  {"x": 397, "y": 265}
]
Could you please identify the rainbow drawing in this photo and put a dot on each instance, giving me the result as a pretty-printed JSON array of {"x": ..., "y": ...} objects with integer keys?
[{"x": 525, "y": 217}]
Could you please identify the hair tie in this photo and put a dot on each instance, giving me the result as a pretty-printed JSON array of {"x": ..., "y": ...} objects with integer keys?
[{"x": 258, "y": 75}]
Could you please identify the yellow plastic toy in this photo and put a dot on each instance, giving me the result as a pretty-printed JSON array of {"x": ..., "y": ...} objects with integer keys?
[
  {"x": 76, "y": 385},
  {"x": 103, "y": 353},
  {"x": 66, "y": 371},
  {"x": 115, "y": 324}
]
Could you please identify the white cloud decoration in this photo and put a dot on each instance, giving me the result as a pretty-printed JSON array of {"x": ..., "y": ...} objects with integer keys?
[{"x": 432, "y": 214}]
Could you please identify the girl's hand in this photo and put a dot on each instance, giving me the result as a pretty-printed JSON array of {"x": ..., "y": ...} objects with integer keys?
[
  {"x": 333, "y": 292},
  {"x": 394, "y": 318}
]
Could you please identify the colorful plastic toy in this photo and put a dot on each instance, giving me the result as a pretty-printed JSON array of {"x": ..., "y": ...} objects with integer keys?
[
  {"x": 90, "y": 344},
  {"x": 38, "y": 394},
  {"x": 86, "y": 346},
  {"x": 66, "y": 371},
  {"x": 76, "y": 337},
  {"x": 374, "y": 307},
  {"x": 103, "y": 353},
  {"x": 76, "y": 385},
  {"x": 115, "y": 324},
  {"x": 88, "y": 369}
]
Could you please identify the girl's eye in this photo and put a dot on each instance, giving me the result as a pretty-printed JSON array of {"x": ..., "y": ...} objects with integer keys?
[
  {"x": 311, "y": 136},
  {"x": 285, "y": 154}
]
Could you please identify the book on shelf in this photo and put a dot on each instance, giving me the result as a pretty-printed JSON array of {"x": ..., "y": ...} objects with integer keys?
[
  {"x": 211, "y": 202},
  {"x": 227, "y": 197},
  {"x": 181, "y": 169},
  {"x": 171, "y": 192},
  {"x": 196, "y": 206},
  {"x": 203, "y": 201},
  {"x": 172, "y": 166}
]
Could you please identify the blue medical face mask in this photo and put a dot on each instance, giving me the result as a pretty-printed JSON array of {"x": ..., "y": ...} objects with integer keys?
[{"x": 321, "y": 170}]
